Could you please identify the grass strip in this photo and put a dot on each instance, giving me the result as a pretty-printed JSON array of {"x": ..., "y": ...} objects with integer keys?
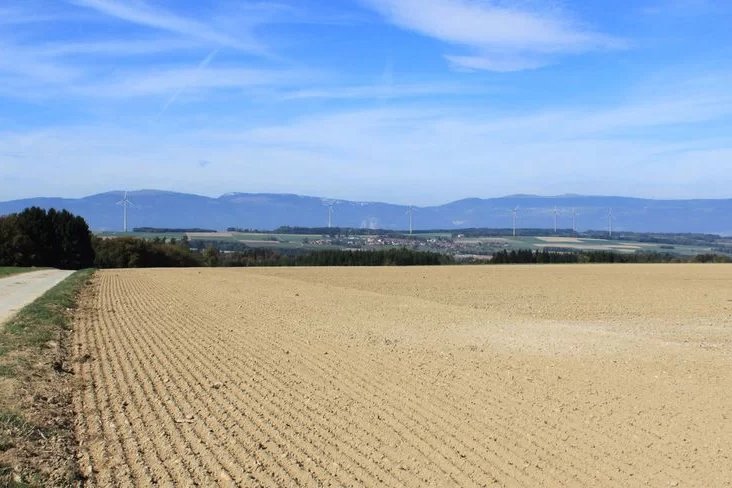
[
  {"x": 32, "y": 371},
  {"x": 42, "y": 320}
]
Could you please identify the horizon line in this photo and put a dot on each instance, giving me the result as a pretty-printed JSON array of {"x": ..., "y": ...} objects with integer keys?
[{"x": 336, "y": 200}]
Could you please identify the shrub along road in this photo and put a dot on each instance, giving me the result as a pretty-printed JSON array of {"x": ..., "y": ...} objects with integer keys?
[{"x": 18, "y": 291}]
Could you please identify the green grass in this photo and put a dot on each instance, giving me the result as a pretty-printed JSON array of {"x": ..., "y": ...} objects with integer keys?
[
  {"x": 12, "y": 270},
  {"x": 7, "y": 370},
  {"x": 142, "y": 235},
  {"x": 23, "y": 346},
  {"x": 42, "y": 320}
]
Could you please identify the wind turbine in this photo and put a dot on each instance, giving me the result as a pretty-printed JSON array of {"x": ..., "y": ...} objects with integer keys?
[
  {"x": 556, "y": 212},
  {"x": 574, "y": 220},
  {"x": 515, "y": 212},
  {"x": 410, "y": 211},
  {"x": 330, "y": 206},
  {"x": 610, "y": 223},
  {"x": 126, "y": 203}
]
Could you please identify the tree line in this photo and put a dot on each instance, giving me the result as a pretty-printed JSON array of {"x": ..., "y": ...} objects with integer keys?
[
  {"x": 59, "y": 239},
  {"x": 131, "y": 252},
  {"x": 334, "y": 257},
  {"x": 36, "y": 237}
]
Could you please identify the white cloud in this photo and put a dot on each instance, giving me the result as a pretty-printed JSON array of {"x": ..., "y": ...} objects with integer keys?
[
  {"x": 404, "y": 140},
  {"x": 143, "y": 14},
  {"x": 84, "y": 66},
  {"x": 382, "y": 91},
  {"x": 117, "y": 48},
  {"x": 497, "y": 62},
  {"x": 23, "y": 67},
  {"x": 39, "y": 73},
  {"x": 405, "y": 154},
  {"x": 497, "y": 38},
  {"x": 168, "y": 81},
  {"x": 33, "y": 12}
]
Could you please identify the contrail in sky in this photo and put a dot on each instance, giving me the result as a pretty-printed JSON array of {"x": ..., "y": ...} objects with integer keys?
[{"x": 201, "y": 66}]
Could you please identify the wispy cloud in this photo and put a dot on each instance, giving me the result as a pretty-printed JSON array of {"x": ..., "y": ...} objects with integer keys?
[
  {"x": 191, "y": 79},
  {"x": 21, "y": 64},
  {"x": 374, "y": 118},
  {"x": 615, "y": 149},
  {"x": 499, "y": 62},
  {"x": 681, "y": 7},
  {"x": 143, "y": 14},
  {"x": 31, "y": 73},
  {"x": 114, "y": 48},
  {"x": 496, "y": 37},
  {"x": 446, "y": 127},
  {"x": 383, "y": 91},
  {"x": 94, "y": 65},
  {"x": 65, "y": 62},
  {"x": 87, "y": 66},
  {"x": 32, "y": 13},
  {"x": 407, "y": 153}
]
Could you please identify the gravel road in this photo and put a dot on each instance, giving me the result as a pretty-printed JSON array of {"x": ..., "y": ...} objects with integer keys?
[{"x": 19, "y": 290}]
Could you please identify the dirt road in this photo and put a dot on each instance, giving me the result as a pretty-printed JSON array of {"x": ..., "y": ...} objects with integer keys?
[
  {"x": 449, "y": 376},
  {"x": 19, "y": 290}
]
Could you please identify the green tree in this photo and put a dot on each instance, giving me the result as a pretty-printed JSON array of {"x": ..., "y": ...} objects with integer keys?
[
  {"x": 211, "y": 256},
  {"x": 35, "y": 237}
]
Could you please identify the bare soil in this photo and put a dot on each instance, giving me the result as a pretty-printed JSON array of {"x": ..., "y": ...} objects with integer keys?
[{"x": 580, "y": 375}]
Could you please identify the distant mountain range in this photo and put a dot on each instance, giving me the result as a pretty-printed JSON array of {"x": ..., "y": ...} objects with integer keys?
[{"x": 154, "y": 208}]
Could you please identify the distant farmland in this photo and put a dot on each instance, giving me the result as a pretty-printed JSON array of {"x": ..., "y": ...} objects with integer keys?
[{"x": 455, "y": 243}]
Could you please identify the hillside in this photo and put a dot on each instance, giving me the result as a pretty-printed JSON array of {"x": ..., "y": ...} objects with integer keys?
[{"x": 155, "y": 208}]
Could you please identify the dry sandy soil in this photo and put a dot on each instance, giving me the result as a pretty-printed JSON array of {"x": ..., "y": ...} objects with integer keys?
[{"x": 596, "y": 375}]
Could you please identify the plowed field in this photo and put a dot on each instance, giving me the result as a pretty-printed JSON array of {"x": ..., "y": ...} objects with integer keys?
[{"x": 448, "y": 376}]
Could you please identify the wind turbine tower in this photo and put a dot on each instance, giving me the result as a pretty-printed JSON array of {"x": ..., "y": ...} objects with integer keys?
[
  {"x": 610, "y": 223},
  {"x": 410, "y": 212},
  {"x": 556, "y": 213},
  {"x": 330, "y": 215},
  {"x": 126, "y": 203},
  {"x": 574, "y": 220},
  {"x": 515, "y": 212}
]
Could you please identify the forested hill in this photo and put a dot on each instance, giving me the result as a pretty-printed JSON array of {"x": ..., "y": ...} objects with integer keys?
[{"x": 268, "y": 211}]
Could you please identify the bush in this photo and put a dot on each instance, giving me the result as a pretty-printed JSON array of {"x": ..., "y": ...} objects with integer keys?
[
  {"x": 36, "y": 237},
  {"x": 388, "y": 257},
  {"x": 130, "y": 252}
]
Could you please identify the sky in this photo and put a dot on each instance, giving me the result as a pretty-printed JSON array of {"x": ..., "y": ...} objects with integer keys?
[{"x": 405, "y": 101}]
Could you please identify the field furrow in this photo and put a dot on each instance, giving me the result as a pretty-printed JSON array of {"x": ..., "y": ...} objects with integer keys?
[{"x": 465, "y": 376}]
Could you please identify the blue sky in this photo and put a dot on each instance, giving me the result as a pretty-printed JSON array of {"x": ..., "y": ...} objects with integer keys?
[{"x": 409, "y": 101}]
